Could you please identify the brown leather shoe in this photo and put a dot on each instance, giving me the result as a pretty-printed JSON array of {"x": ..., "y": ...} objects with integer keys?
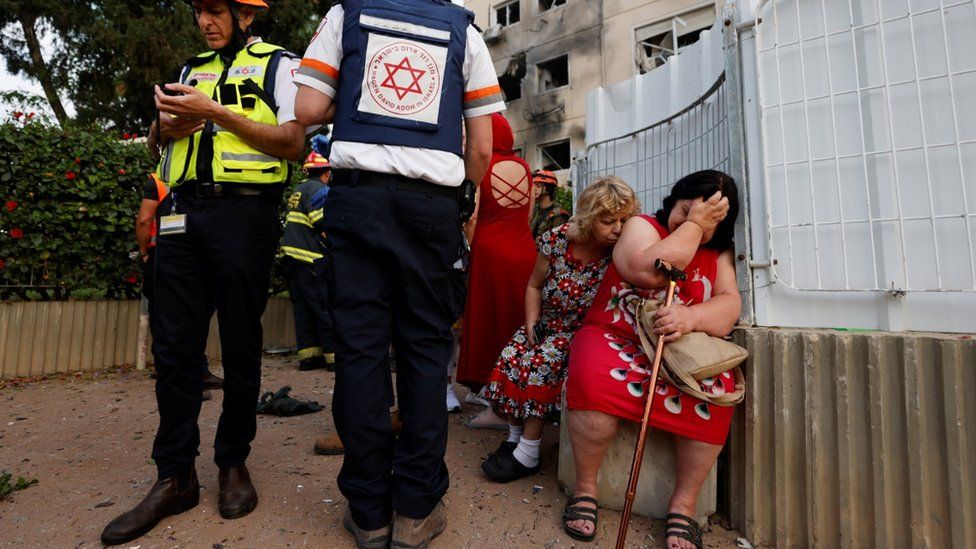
[
  {"x": 237, "y": 495},
  {"x": 329, "y": 445},
  {"x": 411, "y": 533},
  {"x": 169, "y": 496}
]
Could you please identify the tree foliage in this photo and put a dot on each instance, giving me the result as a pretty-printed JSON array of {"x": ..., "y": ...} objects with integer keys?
[{"x": 107, "y": 55}]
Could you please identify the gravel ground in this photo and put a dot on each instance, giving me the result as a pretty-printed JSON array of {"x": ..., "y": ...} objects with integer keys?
[{"x": 87, "y": 439}]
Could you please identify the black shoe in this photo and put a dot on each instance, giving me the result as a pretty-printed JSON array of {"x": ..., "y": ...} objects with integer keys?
[
  {"x": 505, "y": 448},
  {"x": 211, "y": 382},
  {"x": 505, "y": 468},
  {"x": 314, "y": 363},
  {"x": 169, "y": 496}
]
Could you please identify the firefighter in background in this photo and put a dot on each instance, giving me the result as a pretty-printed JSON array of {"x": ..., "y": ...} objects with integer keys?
[
  {"x": 548, "y": 214},
  {"x": 302, "y": 247},
  {"x": 153, "y": 192}
]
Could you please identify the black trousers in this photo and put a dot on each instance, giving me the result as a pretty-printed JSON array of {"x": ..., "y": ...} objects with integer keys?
[
  {"x": 313, "y": 318},
  {"x": 148, "y": 285},
  {"x": 223, "y": 261},
  {"x": 393, "y": 279}
]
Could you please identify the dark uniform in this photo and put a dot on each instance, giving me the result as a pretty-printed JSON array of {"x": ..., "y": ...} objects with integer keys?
[
  {"x": 546, "y": 219},
  {"x": 229, "y": 193},
  {"x": 394, "y": 235},
  {"x": 303, "y": 248}
]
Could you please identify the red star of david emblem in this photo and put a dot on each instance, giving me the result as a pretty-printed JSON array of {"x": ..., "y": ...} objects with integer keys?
[{"x": 413, "y": 75}]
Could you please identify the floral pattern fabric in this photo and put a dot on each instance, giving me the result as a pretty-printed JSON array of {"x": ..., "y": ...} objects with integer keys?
[{"x": 527, "y": 380}]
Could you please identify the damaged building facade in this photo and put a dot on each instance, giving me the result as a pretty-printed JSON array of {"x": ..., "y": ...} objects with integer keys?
[{"x": 549, "y": 54}]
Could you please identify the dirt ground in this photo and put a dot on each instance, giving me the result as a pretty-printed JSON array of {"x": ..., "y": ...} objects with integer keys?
[{"x": 87, "y": 439}]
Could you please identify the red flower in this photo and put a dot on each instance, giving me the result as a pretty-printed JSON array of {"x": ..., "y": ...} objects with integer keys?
[
  {"x": 130, "y": 278},
  {"x": 121, "y": 171},
  {"x": 31, "y": 115},
  {"x": 16, "y": 233},
  {"x": 126, "y": 135},
  {"x": 69, "y": 175},
  {"x": 2, "y": 264},
  {"x": 11, "y": 205},
  {"x": 18, "y": 114},
  {"x": 77, "y": 160}
]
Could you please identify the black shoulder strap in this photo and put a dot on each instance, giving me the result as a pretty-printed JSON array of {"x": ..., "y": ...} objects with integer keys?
[
  {"x": 252, "y": 87},
  {"x": 270, "y": 80}
]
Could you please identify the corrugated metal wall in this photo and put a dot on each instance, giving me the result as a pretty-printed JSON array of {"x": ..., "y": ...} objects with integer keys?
[
  {"x": 41, "y": 338},
  {"x": 855, "y": 440}
]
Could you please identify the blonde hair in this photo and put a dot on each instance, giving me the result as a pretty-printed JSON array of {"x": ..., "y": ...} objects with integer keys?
[{"x": 606, "y": 196}]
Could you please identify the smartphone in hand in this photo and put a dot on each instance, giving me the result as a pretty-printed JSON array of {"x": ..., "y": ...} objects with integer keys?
[{"x": 540, "y": 333}]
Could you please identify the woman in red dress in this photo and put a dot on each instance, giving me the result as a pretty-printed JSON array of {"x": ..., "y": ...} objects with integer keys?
[
  {"x": 502, "y": 256},
  {"x": 608, "y": 370}
]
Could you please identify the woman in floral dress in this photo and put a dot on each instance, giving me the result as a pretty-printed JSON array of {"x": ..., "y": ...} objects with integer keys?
[
  {"x": 609, "y": 371},
  {"x": 527, "y": 379}
]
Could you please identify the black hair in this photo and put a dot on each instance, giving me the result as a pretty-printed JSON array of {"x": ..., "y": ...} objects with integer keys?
[{"x": 703, "y": 184}]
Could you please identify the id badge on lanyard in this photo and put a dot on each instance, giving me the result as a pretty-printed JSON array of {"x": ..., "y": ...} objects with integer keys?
[{"x": 173, "y": 223}]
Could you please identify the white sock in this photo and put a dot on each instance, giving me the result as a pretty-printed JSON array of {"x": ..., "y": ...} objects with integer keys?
[
  {"x": 514, "y": 433},
  {"x": 527, "y": 451}
]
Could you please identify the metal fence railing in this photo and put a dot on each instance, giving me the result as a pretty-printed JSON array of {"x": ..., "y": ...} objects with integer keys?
[{"x": 651, "y": 159}]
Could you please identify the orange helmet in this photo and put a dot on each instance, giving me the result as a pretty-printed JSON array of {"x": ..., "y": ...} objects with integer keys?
[
  {"x": 258, "y": 4},
  {"x": 315, "y": 161},
  {"x": 544, "y": 177}
]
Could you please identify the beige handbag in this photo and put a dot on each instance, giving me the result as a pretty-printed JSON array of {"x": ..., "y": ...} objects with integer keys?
[{"x": 693, "y": 357}]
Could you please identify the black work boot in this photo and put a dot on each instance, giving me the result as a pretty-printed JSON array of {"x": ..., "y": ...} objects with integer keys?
[
  {"x": 169, "y": 496},
  {"x": 313, "y": 363}
]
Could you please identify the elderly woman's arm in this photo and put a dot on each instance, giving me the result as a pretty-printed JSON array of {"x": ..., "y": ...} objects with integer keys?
[
  {"x": 640, "y": 245},
  {"x": 533, "y": 296},
  {"x": 715, "y": 317}
]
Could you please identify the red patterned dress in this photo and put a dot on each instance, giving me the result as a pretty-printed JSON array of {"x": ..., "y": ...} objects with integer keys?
[
  {"x": 527, "y": 380},
  {"x": 608, "y": 370}
]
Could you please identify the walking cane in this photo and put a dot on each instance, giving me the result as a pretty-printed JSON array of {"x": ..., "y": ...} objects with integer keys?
[{"x": 674, "y": 275}]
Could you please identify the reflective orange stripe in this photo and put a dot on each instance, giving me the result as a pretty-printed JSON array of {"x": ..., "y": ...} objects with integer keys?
[
  {"x": 483, "y": 92},
  {"x": 321, "y": 67}
]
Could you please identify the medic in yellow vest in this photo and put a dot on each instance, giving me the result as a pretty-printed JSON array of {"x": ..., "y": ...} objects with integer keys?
[
  {"x": 214, "y": 124},
  {"x": 225, "y": 133}
]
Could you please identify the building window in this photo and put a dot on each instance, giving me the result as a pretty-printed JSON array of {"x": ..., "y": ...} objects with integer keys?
[
  {"x": 553, "y": 73},
  {"x": 555, "y": 156},
  {"x": 549, "y": 4},
  {"x": 656, "y": 42},
  {"x": 507, "y": 14},
  {"x": 510, "y": 81}
]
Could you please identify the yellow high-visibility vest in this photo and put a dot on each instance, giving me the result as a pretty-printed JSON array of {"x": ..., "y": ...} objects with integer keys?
[{"x": 214, "y": 154}]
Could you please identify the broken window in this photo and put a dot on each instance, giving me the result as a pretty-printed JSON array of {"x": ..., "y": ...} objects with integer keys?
[
  {"x": 659, "y": 41},
  {"x": 549, "y": 4},
  {"x": 553, "y": 73},
  {"x": 555, "y": 156},
  {"x": 507, "y": 14},
  {"x": 510, "y": 81}
]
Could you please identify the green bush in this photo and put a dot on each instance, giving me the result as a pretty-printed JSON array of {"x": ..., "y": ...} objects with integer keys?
[
  {"x": 564, "y": 197},
  {"x": 69, "y": 199}
]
